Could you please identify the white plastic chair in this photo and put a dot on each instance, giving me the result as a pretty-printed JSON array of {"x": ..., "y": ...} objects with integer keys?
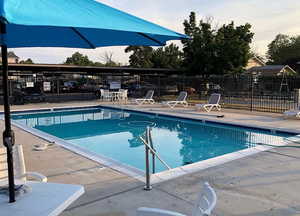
[
  {"x": 106, "y": 95},
  {"x": 181, "y": 99},
  {"x": 204, "y": 206},
  {"x": 213, "y": 101},
  {"x": 123, "y": 95},
  {"x": 147, "y": 99},
  {"x": 102, "y": 94},
  {"x": 19, "y": 167}
]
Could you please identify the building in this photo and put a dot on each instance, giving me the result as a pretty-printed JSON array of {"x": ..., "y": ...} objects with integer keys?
[
  {"x": 272, "y": 70},
  {"x": 254, "y": 62},
  {"x": 12, "y": 58},
  {"x": 270, "y": 74}
]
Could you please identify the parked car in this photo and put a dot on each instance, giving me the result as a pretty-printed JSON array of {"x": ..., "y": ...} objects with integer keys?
[{"x": 33, "y": 94}]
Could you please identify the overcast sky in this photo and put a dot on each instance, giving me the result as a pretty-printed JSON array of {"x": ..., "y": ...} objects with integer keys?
[{"x": 267, "y": 17}]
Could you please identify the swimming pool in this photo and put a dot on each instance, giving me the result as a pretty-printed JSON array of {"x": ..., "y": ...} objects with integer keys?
[{"x": 114, "y": 134}]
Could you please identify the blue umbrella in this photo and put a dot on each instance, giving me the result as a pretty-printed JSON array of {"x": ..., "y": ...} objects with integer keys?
[{"x": 67, "y": 23}]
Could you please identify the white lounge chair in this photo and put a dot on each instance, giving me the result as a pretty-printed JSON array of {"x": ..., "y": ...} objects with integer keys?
[
  {"x": 181, "y": 99},
  {"x": 213, "y": 101},
  {"x": 19, "y": 167},
  {"x": 206, "y": 202},
  {"x": 294, "y": 113},
  {"x": 147, "y": 99}
]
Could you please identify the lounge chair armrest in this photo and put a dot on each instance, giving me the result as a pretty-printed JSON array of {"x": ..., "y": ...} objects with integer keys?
[
  {"x": 36, "y": 176},
  {"x": 143, "y": 211}
]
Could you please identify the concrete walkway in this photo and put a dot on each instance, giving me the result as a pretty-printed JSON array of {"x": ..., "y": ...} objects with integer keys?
[{"x": 267, "y": 183}]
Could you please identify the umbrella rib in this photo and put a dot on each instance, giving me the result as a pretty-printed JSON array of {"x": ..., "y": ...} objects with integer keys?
[
  {"x": 83, "y": 38},
  {"x": 153, "y": 39}
]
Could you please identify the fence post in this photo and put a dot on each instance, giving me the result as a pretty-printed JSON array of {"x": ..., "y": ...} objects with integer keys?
[
  {"x": 297, "y": 98},
  {"x": 252, "y": 91}
]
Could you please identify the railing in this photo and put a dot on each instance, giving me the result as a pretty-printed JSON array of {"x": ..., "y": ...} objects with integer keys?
[
  {"x": 147, "y": 141},
  {"x": 262, "y": 103}
]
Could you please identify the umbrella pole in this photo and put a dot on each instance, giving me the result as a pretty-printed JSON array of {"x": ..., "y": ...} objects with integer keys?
[{"x": 8, "y": 135}]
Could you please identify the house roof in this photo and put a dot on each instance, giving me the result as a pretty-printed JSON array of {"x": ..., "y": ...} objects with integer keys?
[
  {"x": 65, "y": 69},
  {"x": 11, "y": 55},
  {"x": 258, "y": 60},
  {"x": 273, "y": 70}
]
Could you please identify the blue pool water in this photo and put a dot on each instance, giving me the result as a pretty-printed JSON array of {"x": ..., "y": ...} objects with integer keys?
[{"x": 115, "y": 134}]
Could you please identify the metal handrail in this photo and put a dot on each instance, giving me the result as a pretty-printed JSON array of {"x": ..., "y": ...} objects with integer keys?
[
  {"x": 152, "y": 146},
  {"x": 154, "y": 154}
]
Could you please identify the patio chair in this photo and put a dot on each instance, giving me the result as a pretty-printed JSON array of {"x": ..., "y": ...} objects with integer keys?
[
  {"x": 293, "y": 113},
  {"x": 34, "y": 195},
  {"x": 105, "y": 95},
  {"x": 213, "y": 101},
  {"x": 181, "y": 99},
  {"x": 19, "y": 167},
  {"x": 206, "y": 202},
  {"x": 147, "y": 99},
  {"x": 124, "y": 95}
]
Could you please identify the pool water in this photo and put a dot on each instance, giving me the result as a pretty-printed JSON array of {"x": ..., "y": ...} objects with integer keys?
[{"x": 115, "y": 134}]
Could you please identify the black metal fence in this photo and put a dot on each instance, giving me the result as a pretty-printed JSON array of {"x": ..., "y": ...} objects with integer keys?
[
  {"x": 264, "y": 93},
  {"x": 262, "y": 103}
]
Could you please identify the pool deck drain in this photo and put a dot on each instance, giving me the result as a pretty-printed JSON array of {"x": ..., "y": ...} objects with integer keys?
[{"x": 266, "y": 183}]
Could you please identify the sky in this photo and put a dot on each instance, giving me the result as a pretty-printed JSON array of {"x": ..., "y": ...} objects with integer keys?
[{"x": 267, "y": 17}]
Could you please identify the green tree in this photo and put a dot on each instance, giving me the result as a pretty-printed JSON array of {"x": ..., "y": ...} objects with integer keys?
[
  {"x": 285, "y": 49},
  {"x": 199, "y": 50},
  {"x": 215, "y": 51},
  {"x": 79, "y": 59},
  {"x": 27, "y": 61},
  {"x": 278, "y": 49},
  {"x": 167, "y": 57},
  {"x": 233, "y": 48},
  {"x": 140, "y": 57}
]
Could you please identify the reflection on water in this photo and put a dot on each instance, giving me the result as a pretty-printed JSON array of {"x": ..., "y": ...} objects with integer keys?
[{"x": 115, "y": 134}]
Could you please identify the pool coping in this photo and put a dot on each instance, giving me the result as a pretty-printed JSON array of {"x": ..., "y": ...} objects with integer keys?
[{"x": 137, "y": 173}]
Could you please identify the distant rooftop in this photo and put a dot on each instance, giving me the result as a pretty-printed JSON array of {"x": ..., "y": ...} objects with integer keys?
[
  {"x": 11, "y": 55},
  {"x": 273, "y": 70},
  {"x": 64, "y": 69}
]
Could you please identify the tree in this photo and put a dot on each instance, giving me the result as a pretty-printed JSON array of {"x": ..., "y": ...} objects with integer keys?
[
  {"x": 27, "y": 61},
  {"x": 78, "y": 59},
  {"x": 199, "y": 50},
  {"x": 167, "y": 57},
  {"x": 233, "y": 48},
  {"x": 140, "y": 57},
  {"x": 278, "y": 49},
  {"x": 147, "y": 57},
  {"x": 285, "y": 50},
  {"x": 215, "y": 51}
]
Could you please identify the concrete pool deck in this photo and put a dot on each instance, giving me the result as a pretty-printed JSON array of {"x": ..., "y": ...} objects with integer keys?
[{"x": 266, "y": 183}]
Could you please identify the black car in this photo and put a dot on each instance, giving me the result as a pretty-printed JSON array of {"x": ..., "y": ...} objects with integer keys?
[{"x": 29, "y": 95}]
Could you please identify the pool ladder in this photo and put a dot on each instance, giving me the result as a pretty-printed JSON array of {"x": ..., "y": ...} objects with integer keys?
[{"x": 149, "y": 148}]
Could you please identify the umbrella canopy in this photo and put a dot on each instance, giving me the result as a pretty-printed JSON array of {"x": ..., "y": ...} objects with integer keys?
[
  {"x": 77, "y": 23},
  {"x": 67, "y": 23}
]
